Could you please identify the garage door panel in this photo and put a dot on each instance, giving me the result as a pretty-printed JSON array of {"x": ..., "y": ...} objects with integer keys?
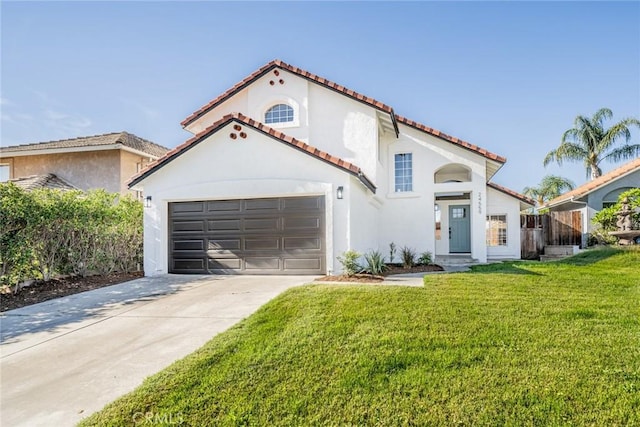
[
  {"x": 188, "y": 245},
  {"x": 224, "y": 225},
  {"x": 224, "y": 244},
  {"x": 262, "y": 244},
  {"x": 262, "y": 263},
  {"x": 292, "y": 243},
  {"x": 262, "y": 224},
  {"x": 188, "y": 265},
  {"x": 224, "y": 207},
  {"x": 303, "y": 264},
  {"x": 301, "y": 223},
  {"x": 225, "y": 263},
  {"x": 303, "y": 203},
  {"x": 196, "y": 226},
  {"x": 268, "y": 205},
  {"x": 187, "y": 208},
  {"x": 251, "y": 236}
]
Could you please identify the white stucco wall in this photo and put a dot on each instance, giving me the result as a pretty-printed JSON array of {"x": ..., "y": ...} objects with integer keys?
[
  {"x": 258, "y": 166},
  {"x": 349, "y": 130},
  {"x": 409, "y": 218},
  {"x": 499, "y": 203}
]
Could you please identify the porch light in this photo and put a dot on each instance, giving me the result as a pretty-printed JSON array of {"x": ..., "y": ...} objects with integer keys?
[
  {"x": 147, "y": 202},
  {"x": 339, "y": 192}
]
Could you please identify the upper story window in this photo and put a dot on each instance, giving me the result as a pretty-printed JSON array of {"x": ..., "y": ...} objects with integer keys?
[
  {"x": 280, "y": 113},
  {"x": 403, "y": 172}
]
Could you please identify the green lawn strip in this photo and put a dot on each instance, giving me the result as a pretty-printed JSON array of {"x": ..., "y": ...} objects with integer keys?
[{"x": 518, "y": 343}]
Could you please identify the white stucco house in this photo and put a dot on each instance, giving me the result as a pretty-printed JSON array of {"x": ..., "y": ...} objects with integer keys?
[
  {"x": 287, "y": 170},
  {"x": 591, "y": 197}
]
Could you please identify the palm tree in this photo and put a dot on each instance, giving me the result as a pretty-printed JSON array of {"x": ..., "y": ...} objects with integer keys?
[
  {"x": 550, "y": 187},
  {"x": 591, "y": 143}
]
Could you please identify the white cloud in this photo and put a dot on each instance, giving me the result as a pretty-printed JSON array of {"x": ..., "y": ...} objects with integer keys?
[{"x": 50, "y": 120}]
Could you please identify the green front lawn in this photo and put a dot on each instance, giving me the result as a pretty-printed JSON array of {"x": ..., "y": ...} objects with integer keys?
[{"x": 511, "y": 344}]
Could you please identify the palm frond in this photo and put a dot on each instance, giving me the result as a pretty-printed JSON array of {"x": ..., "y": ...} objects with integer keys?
[{"x": 623, "y": 153}]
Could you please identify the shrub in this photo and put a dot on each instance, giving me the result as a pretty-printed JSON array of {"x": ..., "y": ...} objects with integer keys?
[
  {"x": 425, "y": 258},
  {"x": 374, "y": 263},
  {"x": 392, "y": 252},
  {"x": 48, "y": 232},
  {"x": 408, "y": 257},
  {"x": 349, "y": 261},
  {"x": 607, "y": 218}
]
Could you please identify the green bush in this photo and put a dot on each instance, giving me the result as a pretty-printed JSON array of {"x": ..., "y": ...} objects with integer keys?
[
  {"x": 607, "y": 218},
  {"x": 374, "y": 263},
  {"x": 349, "y": 261},
  {"x": 425, "y": 258},
  {"x": 48, "y": 232}
]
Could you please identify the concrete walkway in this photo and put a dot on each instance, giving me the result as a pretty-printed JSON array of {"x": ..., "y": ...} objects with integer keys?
[{"x": 64, "y": 359}]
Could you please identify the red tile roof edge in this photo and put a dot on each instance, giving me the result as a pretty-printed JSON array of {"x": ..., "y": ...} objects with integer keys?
[
  {"x": 260, "y": 127},
  {"x": 276, "y": 63},
  {"x": 452, "y": 139},
  {"x": 590, "y": 186},
  {"x": 510, "y": 192}
]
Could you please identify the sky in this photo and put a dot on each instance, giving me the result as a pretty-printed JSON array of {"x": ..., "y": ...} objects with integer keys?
[{"x": 508, "y": 76}]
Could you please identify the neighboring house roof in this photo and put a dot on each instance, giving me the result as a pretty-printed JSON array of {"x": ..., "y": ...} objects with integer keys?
[
  {"x": 300, "y": 72},
  {"x": 49, "y": 180},
  {"x": 266, "y": 130},
  {"x": 597, "y": 183},
  {"x": 114, "y": 140},
  {"x": 524, "y": 199}
]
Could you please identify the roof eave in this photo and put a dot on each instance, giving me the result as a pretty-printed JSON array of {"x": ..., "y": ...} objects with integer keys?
[{"x": 83, "y": 149}]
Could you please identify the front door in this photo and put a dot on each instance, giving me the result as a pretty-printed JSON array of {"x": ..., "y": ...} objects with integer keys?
[{"x": 459, "y": 229}]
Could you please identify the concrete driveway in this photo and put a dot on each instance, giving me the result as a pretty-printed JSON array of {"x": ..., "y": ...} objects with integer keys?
[{"x": 64, "y": 359}]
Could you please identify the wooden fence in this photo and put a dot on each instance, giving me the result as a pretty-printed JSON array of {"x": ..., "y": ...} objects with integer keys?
[{"x": 554, "y": 228}]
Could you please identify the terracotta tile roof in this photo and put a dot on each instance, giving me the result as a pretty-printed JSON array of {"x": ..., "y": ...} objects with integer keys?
[
  {"x": 340, "y": 89},
  {"x": 295, "y": 70},
  {"x": 449, "y": 138},
  {"x": 277, "y": 135},
  {"x": 602, "y": 180},
  {"x": 509, "y": 192},
  {"x": 43, "y": 181},
  {"x": 124, "y": 138}
]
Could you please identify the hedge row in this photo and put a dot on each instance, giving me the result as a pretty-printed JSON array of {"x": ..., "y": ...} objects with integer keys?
[{"x": 48, "y": 232}]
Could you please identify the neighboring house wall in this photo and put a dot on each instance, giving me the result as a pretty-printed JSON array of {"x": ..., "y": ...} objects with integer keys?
[
  {"x": 592, "y": 203},
  {"x": 130, "y": 164},
  {"x": 86, "y": 170}
]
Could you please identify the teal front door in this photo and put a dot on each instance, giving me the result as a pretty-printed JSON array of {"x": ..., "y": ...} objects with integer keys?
[{"x": 459, "y": 229}]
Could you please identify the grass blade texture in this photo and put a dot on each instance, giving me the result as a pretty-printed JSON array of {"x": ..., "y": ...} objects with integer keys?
[{"x": 517, "y": 343}]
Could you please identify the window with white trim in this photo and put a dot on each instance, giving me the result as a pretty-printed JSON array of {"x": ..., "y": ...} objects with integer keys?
[
  {"x": 403, "y": 172},
  {"x": 496, "y": 230},
  {"x": 280, "y": 113}
]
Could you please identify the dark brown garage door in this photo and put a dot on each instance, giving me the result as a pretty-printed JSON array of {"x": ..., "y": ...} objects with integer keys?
[{"x": 254, "y": 236}]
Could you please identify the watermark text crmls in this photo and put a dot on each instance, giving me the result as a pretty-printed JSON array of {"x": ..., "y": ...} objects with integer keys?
[{"x": 152, "y": 418}]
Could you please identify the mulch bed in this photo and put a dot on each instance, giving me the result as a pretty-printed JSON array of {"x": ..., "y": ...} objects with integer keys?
[
  {"x": 44, "y": 291},
  {"x": 369, "y": 278}
]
